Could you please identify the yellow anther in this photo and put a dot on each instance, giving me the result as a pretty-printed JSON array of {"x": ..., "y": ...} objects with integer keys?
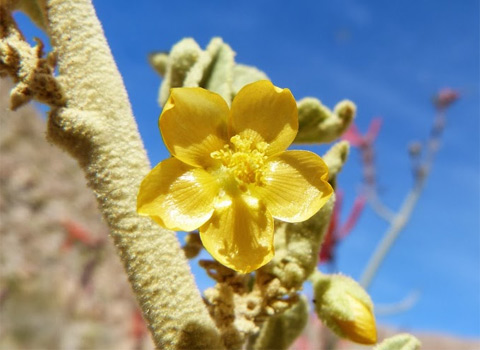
[
  {"x": 245, "y": 162},
  {"x": 262, "y": 146}
]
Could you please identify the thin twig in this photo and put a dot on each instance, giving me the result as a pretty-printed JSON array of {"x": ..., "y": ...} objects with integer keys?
[
  {"x": 379, "y": 207},
  {"x": 400, "y": 306},
  {"x": 401, "y": 218}
]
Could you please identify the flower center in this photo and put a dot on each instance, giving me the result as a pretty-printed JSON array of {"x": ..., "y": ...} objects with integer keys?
[{"x": 244, "y": 160}]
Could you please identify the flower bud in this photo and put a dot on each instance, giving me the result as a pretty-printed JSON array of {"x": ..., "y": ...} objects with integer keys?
[
  {"x": 336, "y": 157},
  {"x": 159, "y": 62},
  {"x": 193, "y": 245},
  {"x": 318, "y": 124},
  {"x": 414, "y": 149},
  {"x": 403, "y": 341},
  {"x": 445, "y": 98},
  {"x": 343, "y": 305}
]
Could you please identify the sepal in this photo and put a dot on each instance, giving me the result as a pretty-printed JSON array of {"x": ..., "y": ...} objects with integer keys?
[{"x": 344, "y": 306}]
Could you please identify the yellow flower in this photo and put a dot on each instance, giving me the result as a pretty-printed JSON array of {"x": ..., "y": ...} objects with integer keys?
[{"x": 230, "y": 173}]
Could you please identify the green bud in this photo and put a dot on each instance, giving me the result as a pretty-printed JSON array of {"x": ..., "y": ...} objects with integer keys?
[
  {"x": 402, "y": 341},
  {"x": 311, "y": 115},
  {"x": 182, "y": 57},
  {"x": 243, "y": 75},
  {"x": 344, "y": 306},
  {"x": 297, "y": 246},
  {"x": 318, "y": 124},
  {"x": 187, "y": 65},
  {"x": 336, "y": 157},
  {"x": 214, "y": 69},
  {"x": 345, "y": 110},
  {"x": 193, "y": 245},
  {"x": 218, "y": 77},
  {"x": 159, "y": 62}
]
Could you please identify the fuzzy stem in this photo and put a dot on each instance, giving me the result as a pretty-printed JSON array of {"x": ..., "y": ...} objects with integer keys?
[{"x": 97, "y": 128}]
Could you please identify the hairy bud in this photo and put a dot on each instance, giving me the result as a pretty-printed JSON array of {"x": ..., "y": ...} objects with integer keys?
[{"x": 344, "y": 306}]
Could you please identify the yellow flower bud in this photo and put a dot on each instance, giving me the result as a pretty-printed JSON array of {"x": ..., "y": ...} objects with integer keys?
[{"x": 344, "y": 306}]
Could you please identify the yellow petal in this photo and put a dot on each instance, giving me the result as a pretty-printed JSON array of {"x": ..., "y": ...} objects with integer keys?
[
  {"x": 240, "y": 234},
  {"x": 266, "y": 113},
  {"x": 295, "y": 185},
  {"x": 177, "y": 196},
  {"x": 361, "y": 329},
  {"x": 194, "y": 124}
]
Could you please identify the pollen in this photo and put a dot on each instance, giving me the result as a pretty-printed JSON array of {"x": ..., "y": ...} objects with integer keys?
[{"x": 244, "y": 160}]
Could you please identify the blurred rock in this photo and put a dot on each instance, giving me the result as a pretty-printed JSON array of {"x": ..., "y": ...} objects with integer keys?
[{"x": 51, "y": 297}]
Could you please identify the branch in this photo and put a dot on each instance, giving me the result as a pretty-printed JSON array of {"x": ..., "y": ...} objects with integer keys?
[
  {"x": 403, "y": 215},
  {"x": 96, "y": 126},
  {"x": 400, "y": 306}
]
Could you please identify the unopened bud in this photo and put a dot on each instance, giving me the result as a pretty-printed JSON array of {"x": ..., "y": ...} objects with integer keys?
[
  {"x": 344, "y": 306},
  {"x": 445, "y": 98},
  {"x": 402, "y": 341},
  {"x": 318, "y": 124},
  {"x": 346, "y": 111},
  {"x": 414, "y": 148},
  {"x": 182, "y": 57},
  {"x": 193, "y": 245},
  {"x": 159, "y": 62},
  {"x": 336, "y": 157}
]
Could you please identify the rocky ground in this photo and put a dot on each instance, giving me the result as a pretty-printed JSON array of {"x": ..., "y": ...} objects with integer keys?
[
  {"x": 61, "y": 284},
  {"x": 318, "y": 337}
]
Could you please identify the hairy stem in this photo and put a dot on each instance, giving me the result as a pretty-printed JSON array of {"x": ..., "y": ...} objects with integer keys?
[{"x": 97, "y": 127}]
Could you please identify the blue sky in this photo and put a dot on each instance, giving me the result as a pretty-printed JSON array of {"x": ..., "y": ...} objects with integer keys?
[{"x": 388, "y": 57}]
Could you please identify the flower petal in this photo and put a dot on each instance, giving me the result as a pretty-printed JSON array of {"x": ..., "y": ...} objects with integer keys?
[
  {"x": 295, "y": 187},
  {"x": 240, "y": 234},
  {"x": 177, "y": 196},
  {"x": 266, "y": 113},
  {"x": 194, "y": 124}
]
